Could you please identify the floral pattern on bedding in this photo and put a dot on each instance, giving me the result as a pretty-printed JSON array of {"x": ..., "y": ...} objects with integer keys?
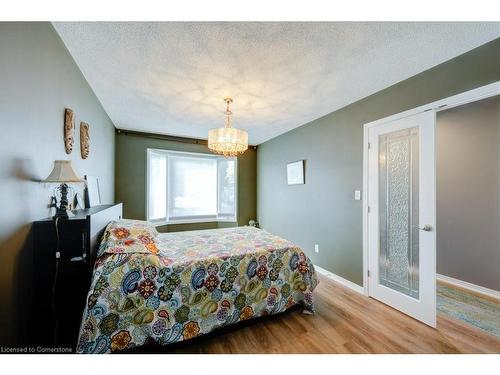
[
  {"x": 129, "y": 236},
  {"x": 164, "y": 288}
]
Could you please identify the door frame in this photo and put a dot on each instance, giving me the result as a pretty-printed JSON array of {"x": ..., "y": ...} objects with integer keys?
[{"x": 466, "y": 97}]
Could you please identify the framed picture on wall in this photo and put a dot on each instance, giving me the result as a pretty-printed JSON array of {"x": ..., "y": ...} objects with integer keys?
[
  {"x": 92, "y": 193},
  {"x": 295, "y": 173}
]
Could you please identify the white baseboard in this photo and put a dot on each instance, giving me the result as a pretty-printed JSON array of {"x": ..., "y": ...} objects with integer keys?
[
  {"x": 469, "y": 286},
  {"x": 340, "y": 280}
]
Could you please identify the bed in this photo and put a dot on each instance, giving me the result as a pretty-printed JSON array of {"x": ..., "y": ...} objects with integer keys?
[{"x": 151, "y": 288}]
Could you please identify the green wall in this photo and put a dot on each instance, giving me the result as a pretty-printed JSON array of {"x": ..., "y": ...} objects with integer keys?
[
  {"x": 324, "y": 211},
  {"x": 130, "y": 177},
  {"x": 38, "y": 79},
  {"x": 468, "y": 136}
]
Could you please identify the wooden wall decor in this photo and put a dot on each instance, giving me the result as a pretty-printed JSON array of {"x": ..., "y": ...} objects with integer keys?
[
  {"x": 69, "y": 129},
  {"x": 84, "y": 140}
]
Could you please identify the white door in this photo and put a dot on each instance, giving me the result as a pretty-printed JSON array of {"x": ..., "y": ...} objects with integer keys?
[{"x": 402, "y": 215}]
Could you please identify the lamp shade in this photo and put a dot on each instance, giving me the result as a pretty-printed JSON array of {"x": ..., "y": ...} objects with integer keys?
[
  {"x": 63, "y": 172},
  {"x": 228, "y": 141}
]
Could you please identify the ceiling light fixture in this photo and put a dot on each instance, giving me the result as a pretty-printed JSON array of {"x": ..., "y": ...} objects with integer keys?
[{"x": 228, "y": 141}]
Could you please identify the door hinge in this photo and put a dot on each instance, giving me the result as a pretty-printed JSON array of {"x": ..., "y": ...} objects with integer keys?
[
  {"x": 368, "y": 209},
  {"x": 369, "y": 145},
  {"x": 368, "y": 273}
]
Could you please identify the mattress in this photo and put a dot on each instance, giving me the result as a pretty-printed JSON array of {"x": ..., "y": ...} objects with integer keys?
[{"x": 164, "y": 288}]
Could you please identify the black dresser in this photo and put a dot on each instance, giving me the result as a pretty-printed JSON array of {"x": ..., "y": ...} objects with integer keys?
[{"x": 79, "y": 237}]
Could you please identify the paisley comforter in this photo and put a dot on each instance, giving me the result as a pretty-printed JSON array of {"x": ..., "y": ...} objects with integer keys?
[{"x": 163, "y": 288}]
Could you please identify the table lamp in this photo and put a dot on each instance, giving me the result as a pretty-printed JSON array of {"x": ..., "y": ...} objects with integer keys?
[{"x": 62, "y": 173}]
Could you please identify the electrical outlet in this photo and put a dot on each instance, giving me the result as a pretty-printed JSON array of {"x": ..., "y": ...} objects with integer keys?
[
  {"x": 316, "y": 248},
  {"x": 357, "y": 195}
]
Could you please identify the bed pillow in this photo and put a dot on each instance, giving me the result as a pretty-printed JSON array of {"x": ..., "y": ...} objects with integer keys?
[{"x": 129, "y": 236}]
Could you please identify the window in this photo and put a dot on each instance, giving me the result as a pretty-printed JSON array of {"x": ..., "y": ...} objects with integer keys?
[{"x": 189, "y": 187}]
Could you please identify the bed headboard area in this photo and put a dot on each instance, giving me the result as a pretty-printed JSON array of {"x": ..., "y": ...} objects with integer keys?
[
  {"x": 97, "y": 221},
  {"x": 78, "y": 237}
]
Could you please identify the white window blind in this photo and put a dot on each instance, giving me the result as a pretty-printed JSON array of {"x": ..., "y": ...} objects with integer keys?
[
  {"x": 227, "y": 188},
  {"x": 157, "y": 185},
  {"x": 187, "y": 187}
]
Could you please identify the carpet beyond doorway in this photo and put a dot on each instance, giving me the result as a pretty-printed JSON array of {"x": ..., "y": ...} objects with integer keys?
[{"x": 472, "y": 308}]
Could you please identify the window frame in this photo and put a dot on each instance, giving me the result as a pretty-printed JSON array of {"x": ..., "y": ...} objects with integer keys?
[{"x": 166, "y": 220}]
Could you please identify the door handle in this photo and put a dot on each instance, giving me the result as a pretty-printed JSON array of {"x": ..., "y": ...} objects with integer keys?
[{"x": 426, "y": 228}]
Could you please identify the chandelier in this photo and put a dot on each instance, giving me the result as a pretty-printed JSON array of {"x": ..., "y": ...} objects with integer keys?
[{"x": 228, "y": 141}]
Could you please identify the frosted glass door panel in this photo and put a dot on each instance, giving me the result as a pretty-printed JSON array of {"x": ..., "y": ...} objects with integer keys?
[
  {"x": 398, "y": 211},
  {"x": 401, "y": 214}
]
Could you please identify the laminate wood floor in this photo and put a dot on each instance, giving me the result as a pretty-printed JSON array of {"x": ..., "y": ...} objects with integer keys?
[{"x": 345, "y": 322}]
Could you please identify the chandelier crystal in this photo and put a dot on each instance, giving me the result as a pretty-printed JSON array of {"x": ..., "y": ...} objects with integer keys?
[{"x": 228, "y": 141}]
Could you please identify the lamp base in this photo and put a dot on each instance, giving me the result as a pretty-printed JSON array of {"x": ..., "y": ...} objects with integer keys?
[
  {"x": 62, "y": 214},
  {"x": 61, "y": 211}
]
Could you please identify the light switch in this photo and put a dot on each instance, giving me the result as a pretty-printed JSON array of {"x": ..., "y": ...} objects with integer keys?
[{"x": 357, "y": 195}]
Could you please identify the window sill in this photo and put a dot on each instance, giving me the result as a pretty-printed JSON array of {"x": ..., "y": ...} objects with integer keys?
[{"x": 192, "y": 221}]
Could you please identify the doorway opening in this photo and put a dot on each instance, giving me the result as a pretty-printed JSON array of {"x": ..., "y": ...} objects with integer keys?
[
  {"x": 400, "y": 227},
  {"x": 468, "y": 214}
]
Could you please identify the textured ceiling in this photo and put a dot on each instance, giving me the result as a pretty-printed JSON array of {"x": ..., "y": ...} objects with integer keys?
[{"x": 171, "y": 77}]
